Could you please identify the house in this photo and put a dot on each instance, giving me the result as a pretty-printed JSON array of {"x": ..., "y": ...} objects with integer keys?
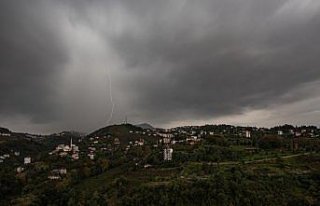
[
  {"x": 92, "y": 148},
  {"x": 165, "y": 135},
  {"x": 75, "y": 148},
  {"x": 63, "y": 154},
  {"x": 248, "y": 134},
  {"x": 140, "y": 142},
  {"x": 57, "y": 174},
  {"x": 54, "y": 177},
  {"x": 19, "y": 169},
  {"x": 27, "y": 160},
  {"x": 66, "y": 148},
  {"x": 166, "y": 140},
  {"x": 75, "y": 156},
  {"x": 280, "y": 133},
  {"x": 62, "y": 171},
  {"x": 167, "y": 154},
  {"x": 91, "y": 156},
  {"x": 116, "y": 141}
]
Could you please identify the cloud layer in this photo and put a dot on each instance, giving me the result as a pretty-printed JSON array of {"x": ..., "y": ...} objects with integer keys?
[{"x": 170, "y": 62}]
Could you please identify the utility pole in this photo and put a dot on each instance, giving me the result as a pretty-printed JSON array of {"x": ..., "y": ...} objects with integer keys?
[{"x": 125, "y": 120}]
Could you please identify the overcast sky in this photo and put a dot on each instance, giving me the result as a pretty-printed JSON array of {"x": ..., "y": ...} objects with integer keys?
[{"x": 169, "y": 62}]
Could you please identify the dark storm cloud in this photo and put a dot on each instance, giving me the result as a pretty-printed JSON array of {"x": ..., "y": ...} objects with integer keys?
[
  {"x": 168, "y": 60},
  {"x": 213, "y": 58},
  {"x": 30, "y": 57}
]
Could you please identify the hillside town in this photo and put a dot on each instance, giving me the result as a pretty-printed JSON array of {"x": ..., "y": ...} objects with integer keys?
[{"x": 64, "y": 157}]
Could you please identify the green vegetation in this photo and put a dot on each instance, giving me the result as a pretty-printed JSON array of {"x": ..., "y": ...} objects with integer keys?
[{"x": 219, "y": 169}]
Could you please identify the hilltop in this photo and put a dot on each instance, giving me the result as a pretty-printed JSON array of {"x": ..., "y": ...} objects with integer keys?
[
  {"x": 120, "y": 129},
  {"x": 125, "y": 132}
]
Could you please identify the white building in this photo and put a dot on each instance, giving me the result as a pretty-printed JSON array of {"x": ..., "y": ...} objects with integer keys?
[
  {"x": 54, "y": 177},
  {"x": 75, "y": 148},
  {"x": 56, "y": 174},
  {"x": 167, "y": 154},
  {"x": 63, "y": 154},
  {"x": 75, "y": 156},
  {"x": 166, "y": 140},
  {"x": 141, "y": 142},
  {"x": 27, "y": 160},
  {"x": 91, "y": 156},
  {"x": 63, "y": 171},
  {"x": 280, "y": 133},
  {"x": 63, "y": 150},
  {"x": 92, "y": 149},
  {"x": 20, "y": 169},
  {"x": 248, "y": 134},
  {"x": 166, "y": 135},
  {"x": 116, "y": 141}
]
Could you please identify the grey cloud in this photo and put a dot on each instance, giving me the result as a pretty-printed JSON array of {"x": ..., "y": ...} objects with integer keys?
[
  {"x": 31, "y": 54},
  {"x": 241, "y": 57},
  {"x": 178, "y": 59}
]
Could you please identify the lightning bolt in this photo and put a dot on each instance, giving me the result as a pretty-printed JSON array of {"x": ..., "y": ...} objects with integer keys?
[{"x": 110, "y": 96}]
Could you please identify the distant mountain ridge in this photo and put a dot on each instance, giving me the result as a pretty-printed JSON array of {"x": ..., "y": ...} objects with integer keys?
[
  {"x": 69, "y": 133},
  {"x": 145, "y": 126}
]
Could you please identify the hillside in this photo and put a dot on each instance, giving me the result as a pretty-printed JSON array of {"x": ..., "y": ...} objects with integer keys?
[
  {"x": 127, "y": 165},
  {"x": 4, "y": 130}
]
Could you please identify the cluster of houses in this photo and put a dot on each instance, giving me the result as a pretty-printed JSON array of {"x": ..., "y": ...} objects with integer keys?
[
  {"x": 95, "y": 141},
  {"x": 64, "y": 150},
  {"x": 165, "y": 139},
  {"x": 5, "y": 134},
  {"x": 5, "y": 156},
  {"x": 167, "y": 154},
  {"x": 19, "y": 169}
]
